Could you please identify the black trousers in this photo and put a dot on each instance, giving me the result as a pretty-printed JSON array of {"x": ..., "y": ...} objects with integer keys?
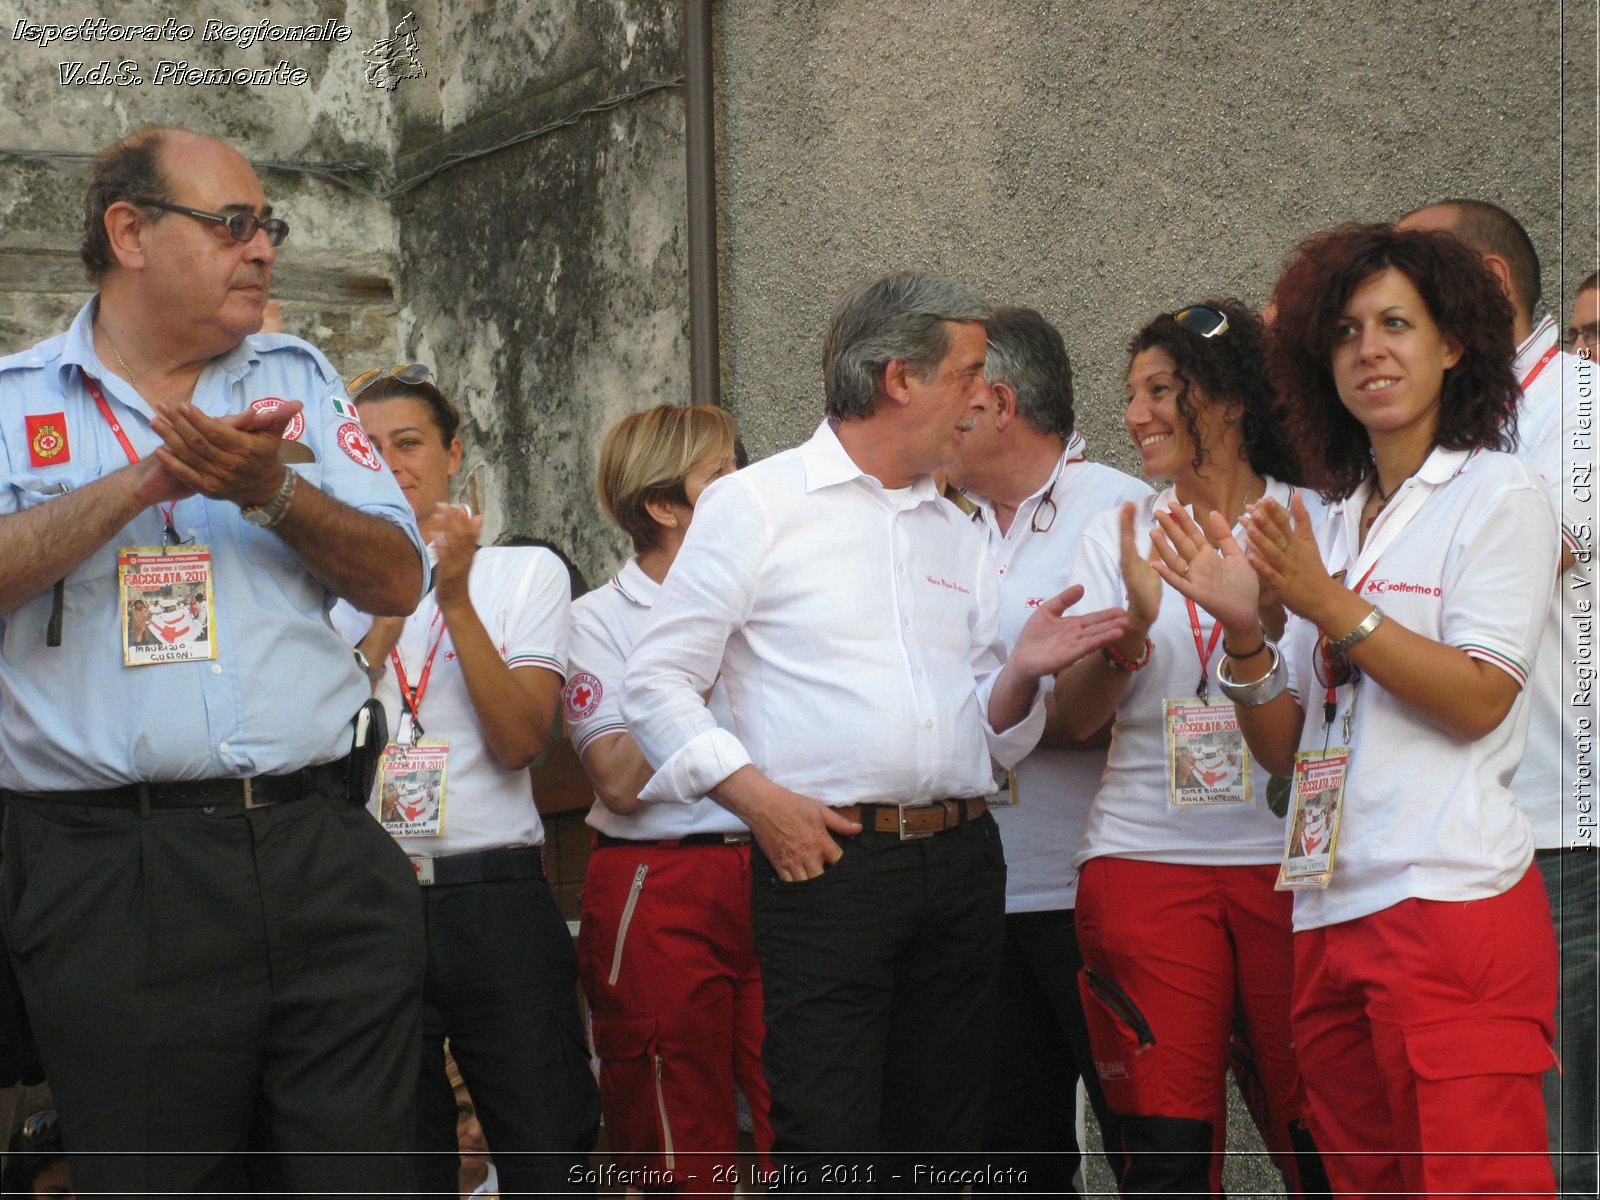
[
  {"x": 1041, "y": 1050},
  {"x": 207, "y": 981},
  {"x": 879, "y": 979},
  {"x": 502, "y": 987}
]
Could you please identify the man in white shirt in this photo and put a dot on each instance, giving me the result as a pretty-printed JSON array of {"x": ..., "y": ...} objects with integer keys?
[
  {"x": 1552, "y": 788},
  {"x": 852, "y": 615},
  {"x": 1031, "y": 492}
]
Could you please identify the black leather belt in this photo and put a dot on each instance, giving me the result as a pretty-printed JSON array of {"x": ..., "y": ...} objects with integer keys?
[
  {"x": 483, "y": 866},
  {"x": 603, "y": 840},
  {"x": 256, "y": 792}
]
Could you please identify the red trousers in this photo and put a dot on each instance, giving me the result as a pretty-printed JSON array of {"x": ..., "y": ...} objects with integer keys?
[
  {"x": 1172, "y": 953},
  {"x": 669, "y": 969},
  {"x": 1423, "y": 1031}
]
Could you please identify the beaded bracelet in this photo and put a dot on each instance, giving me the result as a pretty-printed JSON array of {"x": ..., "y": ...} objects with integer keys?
[{"x": 1121, "y": 662}]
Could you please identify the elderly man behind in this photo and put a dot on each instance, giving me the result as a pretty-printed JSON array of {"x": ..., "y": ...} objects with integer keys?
[
  {"x": 1032, "y": 492},
  {"x": 1555, "y": 389},
  {"x": 852, "y": 615},
  {"x": 211, "y": 939}
]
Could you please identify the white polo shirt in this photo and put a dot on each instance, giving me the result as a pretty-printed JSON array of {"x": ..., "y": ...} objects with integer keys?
[
  {"x": 1054, "y": 787},
  {"x": 1427, "y": 814},
  {"x": 522, "y": 595},
  {"x": 605, "y": 625},
  {"x": 856, "y": 630},
  {"x": 1131, "y": 816},
  {"x": 1551, "y": 440}
]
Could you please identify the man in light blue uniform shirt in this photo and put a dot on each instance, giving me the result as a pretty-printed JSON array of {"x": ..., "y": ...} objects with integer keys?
[{"x": 217, "y": 949}]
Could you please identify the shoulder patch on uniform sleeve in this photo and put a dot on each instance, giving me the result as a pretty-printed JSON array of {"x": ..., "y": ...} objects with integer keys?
[
  {"x": 582, "y": 695},
  {"x": 353, "y": 441},
  {"x": 297, "y": 423},
  {"x": 343, "y": 407}
]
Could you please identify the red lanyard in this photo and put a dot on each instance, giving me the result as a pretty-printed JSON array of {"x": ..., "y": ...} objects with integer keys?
[
  {"x": 1540, "y": 365},
  {"x": 411, "y": 698},
  {"x": 1203, "y": 650},
  {"x": 170, "y": 533}
]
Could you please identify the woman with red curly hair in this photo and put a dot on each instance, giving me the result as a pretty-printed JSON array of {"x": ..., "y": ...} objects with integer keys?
[{"x": 1425, "y": 965}]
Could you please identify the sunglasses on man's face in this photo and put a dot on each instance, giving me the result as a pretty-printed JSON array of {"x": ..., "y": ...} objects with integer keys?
[
  {"x": 406, "y": 373},
  {"x": 1201, "y": 319}
]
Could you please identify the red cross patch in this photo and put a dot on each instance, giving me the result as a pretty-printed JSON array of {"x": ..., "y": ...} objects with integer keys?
[
  {"x": 47, "y": 440},
  {"x": 297, "y": 423},
  {"x": 581, "y": 696}
]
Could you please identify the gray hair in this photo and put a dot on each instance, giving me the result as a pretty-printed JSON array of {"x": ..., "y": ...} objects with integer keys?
[
  {"x": 1027, "y": 353},
  {"x": 899, "y": 316}
]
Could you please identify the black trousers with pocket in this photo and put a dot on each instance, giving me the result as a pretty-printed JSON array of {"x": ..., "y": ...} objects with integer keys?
[
  {"x": 879, "y": 978},
  {"x": 210, "y": 980}
]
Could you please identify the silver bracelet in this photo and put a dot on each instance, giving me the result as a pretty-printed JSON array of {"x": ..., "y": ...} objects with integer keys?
[
  {"x": 1360, "y": 633},
  {"x": 1257, "y": 691}
]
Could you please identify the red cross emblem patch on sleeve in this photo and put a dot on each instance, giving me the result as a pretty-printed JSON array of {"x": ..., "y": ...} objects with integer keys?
[{"x": 47, "y": 440}]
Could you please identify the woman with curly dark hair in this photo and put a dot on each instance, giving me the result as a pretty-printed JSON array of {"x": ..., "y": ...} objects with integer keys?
[
  {"x": 1425, "y": 964},
  {"x": 1177, "y": 918}
]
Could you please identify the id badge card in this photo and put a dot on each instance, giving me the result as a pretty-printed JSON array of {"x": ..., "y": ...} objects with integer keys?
[
  {"x": 411, "y": 782},
  {"x": 1207, "y": 761},
  {"x": 167, "y": 606},
  {"x": 1007, "y": 796},
  {"x": 1315, "y": 806}
]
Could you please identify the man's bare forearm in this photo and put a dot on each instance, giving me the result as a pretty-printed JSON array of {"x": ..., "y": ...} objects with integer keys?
[
  {"x": 361, "y": 558},
  {"x": 43, "y": 544}
]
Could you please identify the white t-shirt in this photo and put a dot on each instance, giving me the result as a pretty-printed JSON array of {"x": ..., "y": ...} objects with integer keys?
[
  {"x": 1426, "y": 814},
  {"x": 1054, "y": 787},
  {"x": 1551, "y": 441},
  {"x": 605, "y": 625},
  {"x": 522, "y": 595},
  {"x": 1132, "y": 816}
]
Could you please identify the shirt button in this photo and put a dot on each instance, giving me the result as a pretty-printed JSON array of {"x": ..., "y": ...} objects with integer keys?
[
  {"x": 216, "y": 668},
  {"x": 928, "y": 724},
  {"x": 222, "y": 747}
]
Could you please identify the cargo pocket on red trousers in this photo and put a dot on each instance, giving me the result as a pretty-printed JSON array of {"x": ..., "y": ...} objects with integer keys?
[
  {"x": 1119, "y": 1035},
  {"x": 631, "y": 1091},
  {"x": 1466, "y": 1069}
]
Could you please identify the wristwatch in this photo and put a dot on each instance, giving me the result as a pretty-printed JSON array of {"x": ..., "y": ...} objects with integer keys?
[
  {"x": 265, "y": 516},
  {"x": 374, "y": 673}
]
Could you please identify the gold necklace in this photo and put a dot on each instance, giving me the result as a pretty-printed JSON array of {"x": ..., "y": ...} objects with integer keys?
[{"x": 118, "y": 354}]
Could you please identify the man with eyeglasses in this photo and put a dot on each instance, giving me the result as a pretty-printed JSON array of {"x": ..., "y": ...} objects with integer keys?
[
  {"x": 1582, "y": 337},
  {"x": 1031, "y": 491},
  {"x": 1548, "y": 784},
  {"x": 216, "y": 946}
]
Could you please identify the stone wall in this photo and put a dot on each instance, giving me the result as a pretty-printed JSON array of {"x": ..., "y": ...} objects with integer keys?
[
  {"x": 546, "y": 279},
  {"x": 334, "y": 277}
]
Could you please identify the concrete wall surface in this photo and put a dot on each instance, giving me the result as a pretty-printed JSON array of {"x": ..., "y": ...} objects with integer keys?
[{"x": 1106, "y": 161}]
